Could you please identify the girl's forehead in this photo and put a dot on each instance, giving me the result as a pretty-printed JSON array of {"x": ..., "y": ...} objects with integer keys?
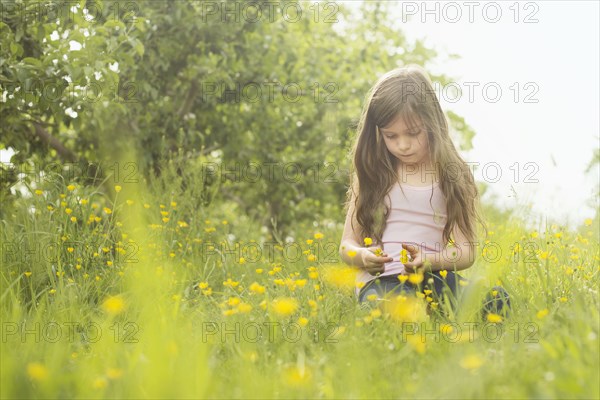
[{"x": 404, "y": 121}]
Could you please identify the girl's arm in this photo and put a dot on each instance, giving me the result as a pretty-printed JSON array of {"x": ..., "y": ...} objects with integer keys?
[{"x": 460, "y": 256}]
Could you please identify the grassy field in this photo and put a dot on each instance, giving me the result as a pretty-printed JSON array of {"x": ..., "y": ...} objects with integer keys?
[{"x": 121, "y": 293}]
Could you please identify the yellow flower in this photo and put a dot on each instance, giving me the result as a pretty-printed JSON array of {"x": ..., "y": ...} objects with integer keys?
[
  {"x": 405, "y": 309},
  {"x": 173, "y": 204},
  {"x": 542, "y": 313},
  {"x": 443, "y": 273},
  {"x": 257, "y": 288},
  {"x": 242, "y": 260},
  {"x": 295, "y": 376},
  {"x": 534, "y": 234},
  {"x": 233, "y": 301},
  {"x": 368, "y": 241},
  {"x": 37, "y": 371},
  {"x": 494, "y": 318},
  {"x": 446, "y": 329},
  {"x": 230, "y": 283},
  {"x": 39, "y": 192},
  {"x": 372, "y": 297},
  {"x": 117, "y": 188},
  {"x": 68, "y": 211},
  {"x": 417, "y": 344},
  {"x": 229, "y": 312},
  {"x": 114, "y": 373},
  {"x": 311, "y": 257},
  {"x": 28, "y": 273},
  {"x": 70, "y": 188},
  {"x": 203, "y": 285},
  {"x": 342, "y": 276},
  {"x": 300, "y": 282},
  {"x": 114, "y": 305},
  {"x": 244, "y": 308},
  {"x": 471, "y": 362},
  {"x": 107, "y": 210},
  {"x": 351, "y": 253},
  {"x": 588, "y": 222},
  {"x": 309, "y": 241},
  {"x": 129, "y": 202},
  {"x": 415, "y": 279},
  {"x": 558, "y": 235},
  {"x": 403, "y": 256},
  {"x": 99, "y": 383},
  {"x": 284, "y": 306},
  {"x": 70, "y": 249},
  {"x": 73, "y": 219},
  {"x": 302, "y": 321},
  {"x": 319, "y": 235},
  {"x": 402, "y": 278}
]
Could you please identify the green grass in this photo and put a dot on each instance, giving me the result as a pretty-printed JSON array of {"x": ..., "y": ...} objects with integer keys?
[{"x": 126, "y": 301}]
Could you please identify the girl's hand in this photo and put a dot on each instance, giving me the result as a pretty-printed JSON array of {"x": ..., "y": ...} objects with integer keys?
[
  {"x": 373, "y": 259},
  {"x": 416, "y": 259}
]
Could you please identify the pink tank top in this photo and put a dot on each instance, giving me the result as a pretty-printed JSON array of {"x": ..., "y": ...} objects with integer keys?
[{"x": 412, "y": 220}]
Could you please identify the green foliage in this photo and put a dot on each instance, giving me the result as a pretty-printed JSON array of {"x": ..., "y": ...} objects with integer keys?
[{"x": 175, "y": 60}]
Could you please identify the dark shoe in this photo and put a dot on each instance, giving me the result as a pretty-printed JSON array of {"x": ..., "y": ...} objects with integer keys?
[{"x": 497, "y": 301}]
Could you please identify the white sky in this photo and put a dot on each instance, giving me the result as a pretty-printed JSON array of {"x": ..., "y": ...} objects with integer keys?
[{"x": 560, "y": 54}]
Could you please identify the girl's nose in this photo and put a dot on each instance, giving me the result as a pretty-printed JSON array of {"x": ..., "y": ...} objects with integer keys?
[
  {"x": 404, "y": 146},
  {"x": 404, "y": 149}
]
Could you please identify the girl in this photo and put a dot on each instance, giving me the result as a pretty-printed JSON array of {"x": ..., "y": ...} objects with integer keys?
[{"x": 410, "y": 193}]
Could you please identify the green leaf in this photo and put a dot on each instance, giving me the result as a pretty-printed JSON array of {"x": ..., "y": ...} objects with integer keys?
[
  {"x": 16, "y": 49},
  {"x": 112, "y": 23},
  {"x": 33, "y": 61},
  {"x": 139, "y": 48}
]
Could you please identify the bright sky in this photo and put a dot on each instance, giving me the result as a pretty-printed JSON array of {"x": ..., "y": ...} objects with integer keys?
[{"x": 559, "y": 55}]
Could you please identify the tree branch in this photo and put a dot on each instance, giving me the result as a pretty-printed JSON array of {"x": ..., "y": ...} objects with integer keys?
[{"x": 54, "y": 143}]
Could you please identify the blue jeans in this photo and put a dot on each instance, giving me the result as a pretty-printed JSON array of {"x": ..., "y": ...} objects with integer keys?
[{"x": 498, "y": 303}]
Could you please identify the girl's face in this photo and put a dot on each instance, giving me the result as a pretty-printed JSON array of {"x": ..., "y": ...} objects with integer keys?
[{"x": 407, "y": 143}]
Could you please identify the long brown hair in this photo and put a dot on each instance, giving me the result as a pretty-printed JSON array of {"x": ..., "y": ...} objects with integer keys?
[{"x": 407, "y": 92}]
